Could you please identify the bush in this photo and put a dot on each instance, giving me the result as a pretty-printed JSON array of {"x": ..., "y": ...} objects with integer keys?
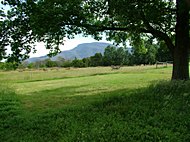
[
  {"x": 8, "y": 66},
  {"x": 67, "y": 63},
  {"x": 78, "y": 63}
]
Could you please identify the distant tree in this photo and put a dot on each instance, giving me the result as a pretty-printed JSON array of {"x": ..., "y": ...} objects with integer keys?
[
  {"x": 24, "y": 64},
  {"x": 87, "y": 62},
  {"x": 120, "y": 56},
  {"x": 67, "y": 63},
  {"x": 39, "y": 64},
  {"x": 50, "y": 21},
  {"x": 31, "y": 65},
  {"x": 78, "y": 63},
  {"x": 163, "y": 54},
  {"x": 144, "y": 52},
  {"x": 1, "y": 65},
  {"x": 115, "y": 56},
  {"x": 127, "y": 58},
  {"x": 60, "y": 61},
  {"x": 9, "y": 66},
  {"x": 150, "y": 57},
  {"x": 109, "y": 56},
  {"x": 96, "y": 60},
  {"x": 49, "y": 63}
]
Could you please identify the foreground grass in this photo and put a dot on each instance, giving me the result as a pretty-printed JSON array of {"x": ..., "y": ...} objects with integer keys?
[{"x": 109, "y": 106}]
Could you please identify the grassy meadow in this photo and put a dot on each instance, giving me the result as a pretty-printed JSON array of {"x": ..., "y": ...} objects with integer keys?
[{"x": 94, "y": 104}]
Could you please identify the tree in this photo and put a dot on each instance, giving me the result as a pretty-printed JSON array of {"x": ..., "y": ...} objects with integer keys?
[
  {"x": 144, "y": 53},
  {"x": 109, "y": 55},
  {"x": 87, "y": 62},
  {"x": 151, "y": 55},
  {"x": 127, "y": 57},
  {"x": 120, "y": 56},
  {"x": 78, "y": 63},
  {"x": 164, "y": 20},
  {"x": 96, "y": 60},
  {"x": 49, "y": 63},
  {"x": 51, "y": 21},
  {"x": 163, "y": 53},
  {"x": 60, "y": 61},
  {"x": 115, "y": 56}
]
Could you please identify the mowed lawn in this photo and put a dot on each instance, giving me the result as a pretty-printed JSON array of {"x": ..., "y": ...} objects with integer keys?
[
  {"x": 57, "y": 87},
  {"x": 93, "y": 104}
]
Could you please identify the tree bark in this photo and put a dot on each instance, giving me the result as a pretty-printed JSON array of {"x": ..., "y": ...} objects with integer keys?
[
  {"x": 182, "y": 43},
  {"x": 180, "y": 64}
]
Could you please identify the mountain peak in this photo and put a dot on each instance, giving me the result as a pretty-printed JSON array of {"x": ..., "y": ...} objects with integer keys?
[{"x": 83, "y": 50}]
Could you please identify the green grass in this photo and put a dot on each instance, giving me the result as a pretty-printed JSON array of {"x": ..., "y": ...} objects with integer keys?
[{"x": 94, "y": 104}]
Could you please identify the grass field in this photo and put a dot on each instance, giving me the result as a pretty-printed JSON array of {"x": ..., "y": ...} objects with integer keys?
[{"x": 94, "y": 104}]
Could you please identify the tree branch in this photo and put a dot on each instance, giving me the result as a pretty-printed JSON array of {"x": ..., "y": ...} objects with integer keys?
[
  {"x": 159, "y": 34},
  {"x": 149, "y": 29}
]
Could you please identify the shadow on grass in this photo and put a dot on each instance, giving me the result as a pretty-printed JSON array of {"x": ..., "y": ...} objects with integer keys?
[
  {"x": 70, "y": 96},
  {"x": 157, "y": 113},
  {"x": 67, "y": 77}
]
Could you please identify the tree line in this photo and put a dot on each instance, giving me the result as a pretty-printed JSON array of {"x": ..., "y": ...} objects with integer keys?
[
  {"x": 146, "y": 54},
  {"x": 27, "y": 22}
]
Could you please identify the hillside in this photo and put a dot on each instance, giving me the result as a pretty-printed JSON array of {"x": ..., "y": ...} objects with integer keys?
[{"x": 81, "y": 51}]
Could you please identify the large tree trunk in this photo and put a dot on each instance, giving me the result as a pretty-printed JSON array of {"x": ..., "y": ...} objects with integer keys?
[
  {"x": 180, "y": 64},
  {"x": 181, "y": 50}
]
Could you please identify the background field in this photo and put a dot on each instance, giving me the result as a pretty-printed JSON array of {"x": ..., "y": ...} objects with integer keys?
[
  {"x": 93, "y": 104},
  {"x": 49, "y": 89}
]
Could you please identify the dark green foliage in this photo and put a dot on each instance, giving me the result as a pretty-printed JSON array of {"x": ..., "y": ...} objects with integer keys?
[
  {"x": 163, "y": 53},
  {"x": 87, "y": 62},
  {"x": 96, "y": 60},
  {"x": 8, "y": 66},
  {"x": 115, "y": 56},
  {"x": 109, "y": 55},
  {"x": 160, "y": 112},
  {"x": 67, "y": 63},
  {"x": 78, "y": 63},
  {"x": 144, "y": 53},
  {"x": 49, "y": 63},
  {"x": 30, "y": 66},
  {"x": 51, "y": 21}
]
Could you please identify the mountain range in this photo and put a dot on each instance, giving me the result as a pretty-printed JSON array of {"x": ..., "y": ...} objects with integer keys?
[{"x": 83, "y": 50}]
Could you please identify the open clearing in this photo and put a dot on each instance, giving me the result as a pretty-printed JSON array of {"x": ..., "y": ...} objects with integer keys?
[
  {"x": 92, "y": 104},
  {"x": 52, "y": 88}
]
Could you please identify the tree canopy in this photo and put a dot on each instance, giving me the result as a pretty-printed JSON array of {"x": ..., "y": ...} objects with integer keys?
[{"x": 30, "y": 21}]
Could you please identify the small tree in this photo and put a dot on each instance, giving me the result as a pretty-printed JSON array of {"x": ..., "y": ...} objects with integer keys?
[
  {"x": 78, "y": 63},
  {"x": 96, "y": 60},
  {"x": 109, "y": 56},
  {"x": 49, "y": 63},
  {"x": 87, "y": 62}
]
